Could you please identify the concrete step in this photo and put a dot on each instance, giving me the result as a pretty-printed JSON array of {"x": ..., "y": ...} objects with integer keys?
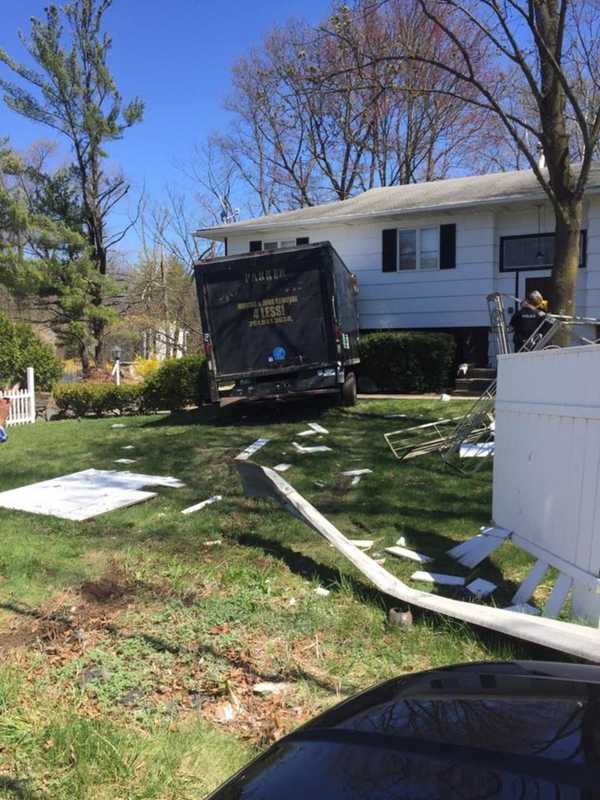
[
  {"x": 486, "y": 373},
  {"x": 474, "y": 385}
]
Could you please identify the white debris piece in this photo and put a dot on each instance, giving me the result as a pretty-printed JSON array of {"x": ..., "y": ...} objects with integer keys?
[
  {"x": 317, "y": 428},
  {"x": 356, "y": 473},
  {"x": 118, "y": 425},
  {"x": 363, "y": 544},
  {"x": 212, "y": 542},
  {"x": 438, "y": 577},
  {"x": 307, "y": 433},
  {"x": 482, "y": 450},
  {"x": 322, "y": 592},
  {"x": 380, "y": 561},
  {"x": 128, "y": 447},
  {"x": 251, "y": 449},
  {"x": 355, "y": 480},
  {"x": 199, "y": 506},
  {"x": 524, "y": 608},
  {"x": 125, "y": 460},
  {"x": 282, "y": 467},
  {"x": 320, "y": 448},
  {"x": 267, "y": 687},
  {"x": 401, "y": 542},
  {"x": 481, "y": 588},
  {"x": 404, "y": 552},
  {"x": 83, "y": 495},
  {"x": 226, "y": 713},
  {"x": 445, "y": 398}
]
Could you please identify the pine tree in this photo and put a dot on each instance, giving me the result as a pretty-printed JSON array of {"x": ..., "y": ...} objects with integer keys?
[{"x": 72, "y": 91}]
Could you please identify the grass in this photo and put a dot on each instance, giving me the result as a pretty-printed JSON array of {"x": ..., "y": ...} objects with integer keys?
[{"x": 128, "y": 643}]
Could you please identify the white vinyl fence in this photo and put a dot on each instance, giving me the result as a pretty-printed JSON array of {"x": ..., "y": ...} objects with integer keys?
[{"x": 22, "y": 402}]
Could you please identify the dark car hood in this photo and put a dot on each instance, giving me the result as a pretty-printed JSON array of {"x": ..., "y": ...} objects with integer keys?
[{"x": 514, "y": 730}]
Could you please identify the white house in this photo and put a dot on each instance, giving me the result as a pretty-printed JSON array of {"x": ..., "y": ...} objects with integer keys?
[{"x": 426, "y": 255}]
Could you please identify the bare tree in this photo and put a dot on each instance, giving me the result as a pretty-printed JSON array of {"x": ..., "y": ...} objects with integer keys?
[{"x": 545, "y": 52}]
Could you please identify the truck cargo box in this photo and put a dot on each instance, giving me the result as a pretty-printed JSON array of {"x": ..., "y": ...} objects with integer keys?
[{"x": 278, "y": 312}]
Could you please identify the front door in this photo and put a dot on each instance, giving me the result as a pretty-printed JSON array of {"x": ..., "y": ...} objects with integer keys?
[{"x": 543, "y": 285}]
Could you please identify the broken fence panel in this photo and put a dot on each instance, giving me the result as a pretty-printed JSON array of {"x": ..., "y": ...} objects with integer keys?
[
  {"x": 475, "y": 550},
  {"x": 558, "y": 596},
  {"x": 578, "y": 640},
  {"x": 530, "y": 584},
  {"x": 357, "y": 473},
  {"x": 481, "y": 588}
]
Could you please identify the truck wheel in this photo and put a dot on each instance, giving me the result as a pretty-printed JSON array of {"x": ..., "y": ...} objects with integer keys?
[{"x": 348, "y": 391}]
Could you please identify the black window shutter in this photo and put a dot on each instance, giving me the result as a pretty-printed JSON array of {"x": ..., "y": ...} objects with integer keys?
[
  {"x": 448, "y": 246},
  {"x": 301, "y": 240},
  {"x": 389, "y": 250},
  {"x": 254, "y": 246}
]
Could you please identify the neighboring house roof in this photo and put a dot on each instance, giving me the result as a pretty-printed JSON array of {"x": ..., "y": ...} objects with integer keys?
[{"x": 444, "y": 195}]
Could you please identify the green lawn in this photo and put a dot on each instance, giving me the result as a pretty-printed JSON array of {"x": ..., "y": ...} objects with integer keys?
[{"x": 127, "y": 643}]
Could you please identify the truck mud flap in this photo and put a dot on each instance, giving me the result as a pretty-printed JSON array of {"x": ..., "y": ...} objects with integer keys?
[{"x": 566, "y": 637}]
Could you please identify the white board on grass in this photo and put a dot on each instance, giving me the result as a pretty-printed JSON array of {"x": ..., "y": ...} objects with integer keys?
[
  {"x": 251, "y": 449},
  {"x": 83, "y": 495}
]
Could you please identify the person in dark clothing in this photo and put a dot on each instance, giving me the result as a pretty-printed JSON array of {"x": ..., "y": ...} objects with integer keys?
[{"x": 526, "y": 319}]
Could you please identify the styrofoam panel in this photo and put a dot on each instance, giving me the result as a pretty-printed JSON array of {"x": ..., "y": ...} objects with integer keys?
[{"x": 83, "y": 495}]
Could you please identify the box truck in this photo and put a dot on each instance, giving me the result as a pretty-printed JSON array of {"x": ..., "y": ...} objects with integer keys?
[{"x": 279, "y": 324}]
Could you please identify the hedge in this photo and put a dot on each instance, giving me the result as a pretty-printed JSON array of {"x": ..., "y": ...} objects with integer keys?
[
  {"x": 97, "y": 398},
  {"x": 179, "y": 382},
  {"x": 407, "y": 361},
  {"x": 20, "y": 348}
]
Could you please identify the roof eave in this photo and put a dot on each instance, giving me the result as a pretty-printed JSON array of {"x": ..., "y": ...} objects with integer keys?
[{"x": 222, "y": 232}]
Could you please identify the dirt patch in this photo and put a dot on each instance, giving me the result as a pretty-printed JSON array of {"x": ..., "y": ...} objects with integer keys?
[{"x": 69, "y": 621}]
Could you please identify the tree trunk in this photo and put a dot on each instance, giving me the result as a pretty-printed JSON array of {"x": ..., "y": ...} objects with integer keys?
[
  {"x": 85, "y": 360},
  {"x": 566, "y": 258}
]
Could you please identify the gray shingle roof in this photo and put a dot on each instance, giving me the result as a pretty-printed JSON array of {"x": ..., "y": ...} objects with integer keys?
[{"x": 453, "y": 193}]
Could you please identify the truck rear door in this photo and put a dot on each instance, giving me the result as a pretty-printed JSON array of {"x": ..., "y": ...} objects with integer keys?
[{"x": 269, "y": 312}]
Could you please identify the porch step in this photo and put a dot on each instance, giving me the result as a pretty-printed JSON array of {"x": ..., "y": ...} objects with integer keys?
[{"x": 472, "y": 385}]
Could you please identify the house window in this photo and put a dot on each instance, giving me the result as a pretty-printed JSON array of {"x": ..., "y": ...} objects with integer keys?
[
  {"x": 532, "y": 251},
  {"x": 258, "y": 245},
  {"x": 270, "y": 245},
  {"x": 419, "y": 248}
]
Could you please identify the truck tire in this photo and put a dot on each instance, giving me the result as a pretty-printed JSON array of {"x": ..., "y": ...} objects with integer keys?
[{"x": 348, "y": 390}]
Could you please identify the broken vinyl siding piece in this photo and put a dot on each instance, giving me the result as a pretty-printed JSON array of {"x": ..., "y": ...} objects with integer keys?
[
  {"x": 128, "y": 447},
  {"x": 251, "y": 449},
  {"x": 363, "y": 544},
  {"x": 475, "y": 550},
  {"x": 317, "y": 428},
  {"x": 199, "y": 506},
  {"x": 125, "y": 460},
  {"x": 86, "y": 494},
  {"x": 307, "y": 433},
  {"x": 482, "y": 450},
  {"x": 320, "y": 448},
  {"x": 355, "y": 480},
  {"x": 525, "y": 608},
  {"x": 282, "y": 467},
  {"x": 437, "y": 578},
  {"x": 481, "y": 588},
  {"x": 356, "y": 473},
  {"x": 118, "y": 425},
  {"x": 567, "y": 637},
  {"x": 404, "y": 552},
  {"x": 322, "y": 592}
]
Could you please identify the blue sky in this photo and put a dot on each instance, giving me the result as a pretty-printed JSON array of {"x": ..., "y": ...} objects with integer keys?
[{"x": 176, "y": 55}]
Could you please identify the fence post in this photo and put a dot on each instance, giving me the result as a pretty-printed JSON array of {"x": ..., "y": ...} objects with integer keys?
[{"x": 31, "y": 393}]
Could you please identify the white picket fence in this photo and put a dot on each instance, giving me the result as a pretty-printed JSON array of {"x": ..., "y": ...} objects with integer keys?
[{"x": 22, "y": 402}]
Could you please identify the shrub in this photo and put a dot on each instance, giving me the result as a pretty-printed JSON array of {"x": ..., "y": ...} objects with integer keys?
[
  {"x": 97, "y": 398},
  {"x": 144, "y": 367},
  {"x": 21, "y": 348},
  {"x": 407, "y": 361},
  {"x": 177, "y": 383}
]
